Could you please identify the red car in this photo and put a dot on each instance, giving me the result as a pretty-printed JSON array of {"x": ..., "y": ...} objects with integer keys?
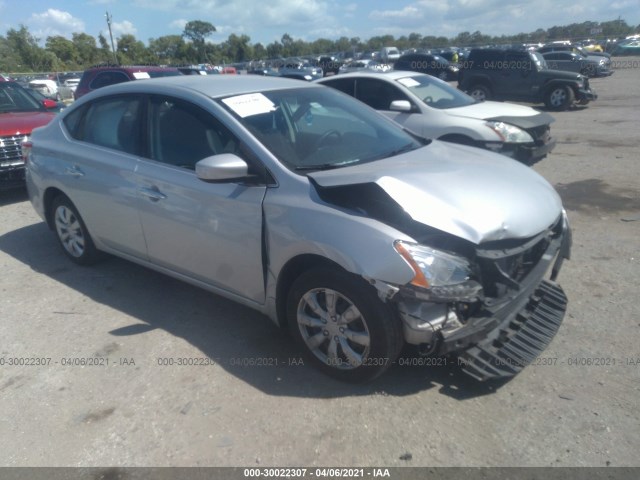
[
  {"x": 20, "y": 113},
  {"x": 102, "y": 76}
]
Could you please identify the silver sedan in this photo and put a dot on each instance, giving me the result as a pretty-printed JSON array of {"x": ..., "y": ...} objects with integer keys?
[{"x": 314, "y": 209}]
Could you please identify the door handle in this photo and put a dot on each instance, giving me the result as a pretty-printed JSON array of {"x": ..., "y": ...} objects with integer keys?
[
  {"x": 152, "y": 193},
  {"x": 74, "y": 171}
]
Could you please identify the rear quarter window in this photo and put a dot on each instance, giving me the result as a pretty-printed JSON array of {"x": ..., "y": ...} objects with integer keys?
[
  {"x": 104, "y": 79},
  {"x": 112, "y": 122}
]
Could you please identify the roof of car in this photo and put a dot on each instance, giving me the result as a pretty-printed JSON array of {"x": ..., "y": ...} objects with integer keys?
[
  {"x": 391, "y": 74},
  {"x": 210, "y": 85}
]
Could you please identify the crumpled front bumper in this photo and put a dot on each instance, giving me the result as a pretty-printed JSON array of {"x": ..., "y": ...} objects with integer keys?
[
  {"x": 504, "y": 335},
  {"x": 520, "y": 337}
]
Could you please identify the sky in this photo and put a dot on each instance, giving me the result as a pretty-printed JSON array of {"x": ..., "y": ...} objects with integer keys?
[{"x": 266, "y": 21}]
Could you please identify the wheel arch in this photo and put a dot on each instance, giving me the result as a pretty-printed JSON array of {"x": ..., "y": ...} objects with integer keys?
[
  {"x": 47, "y": 201},
  {"x": 288, "y": 274},
  {"x": 550, "y": 85}
]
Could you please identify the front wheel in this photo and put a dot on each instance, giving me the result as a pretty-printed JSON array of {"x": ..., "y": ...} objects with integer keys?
[
  {"x": 342, "y": 326},
  {"x": 72, "y": 233},
  {"x": 559, "y": 98}
]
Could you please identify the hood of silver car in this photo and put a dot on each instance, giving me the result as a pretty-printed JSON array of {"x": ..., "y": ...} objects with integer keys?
[
  {"x": 518, "y": 115},
  {"x": 467, "y": 192}
]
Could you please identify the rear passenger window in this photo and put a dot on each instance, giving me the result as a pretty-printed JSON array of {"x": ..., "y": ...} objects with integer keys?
[
  {"x": 345, "y": 85},
  {"x": 113, "y": 122},
  {"x": 104, "y": 79}
]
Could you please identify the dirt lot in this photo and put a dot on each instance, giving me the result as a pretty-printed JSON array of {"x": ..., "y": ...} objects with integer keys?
[{"x": 578, "y": 406}]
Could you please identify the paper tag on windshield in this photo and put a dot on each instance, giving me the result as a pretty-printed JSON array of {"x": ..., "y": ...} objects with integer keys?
[
  {"x": 249, "y": 104},
  {"x": 408, "y": 82},
  {"x": 140, "y": 75}
]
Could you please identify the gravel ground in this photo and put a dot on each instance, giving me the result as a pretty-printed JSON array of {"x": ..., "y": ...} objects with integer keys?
[{"x": 578, "y": 406}]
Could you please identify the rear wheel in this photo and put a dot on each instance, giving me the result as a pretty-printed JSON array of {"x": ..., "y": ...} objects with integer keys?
[
  {"x": 480, "y": 93},
  {"x": 72, "y": 233},
  {"x": 343, "y": 327},
  {"x": 559, "y": 98}
]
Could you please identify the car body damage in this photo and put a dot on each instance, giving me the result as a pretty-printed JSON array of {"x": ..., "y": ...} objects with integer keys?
[
  {"x": 474, "y": 195},
  {"x": 515, "y": 242}
]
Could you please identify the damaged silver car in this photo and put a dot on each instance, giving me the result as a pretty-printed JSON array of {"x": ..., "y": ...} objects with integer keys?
[{"x": 314, "y": 209}]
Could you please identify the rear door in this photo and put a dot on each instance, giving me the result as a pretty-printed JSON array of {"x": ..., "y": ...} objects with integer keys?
[{"x": 98, "y": 173}]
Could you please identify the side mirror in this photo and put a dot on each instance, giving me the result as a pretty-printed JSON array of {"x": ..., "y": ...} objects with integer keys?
[
  {"x": 224, "y": 167},
  {"x": 401, "y": 106},
  {"x": 49, "y": 104}
]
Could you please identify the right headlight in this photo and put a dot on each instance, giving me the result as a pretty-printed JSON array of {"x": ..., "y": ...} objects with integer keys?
[
  {"x": 433, "y": 268},
  {"x": 509, "y": 133}
]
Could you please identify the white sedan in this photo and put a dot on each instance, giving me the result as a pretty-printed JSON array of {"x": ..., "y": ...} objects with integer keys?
[{"x": 434, "y": 109}]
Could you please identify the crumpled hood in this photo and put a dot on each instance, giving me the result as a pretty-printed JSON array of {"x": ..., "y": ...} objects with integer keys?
[
  {"x": 21, "y": 123},
  {"x": 467, "y": 192},
  {"x": 518, "y": 115}
]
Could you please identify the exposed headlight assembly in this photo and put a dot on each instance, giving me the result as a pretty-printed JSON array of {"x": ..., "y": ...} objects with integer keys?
[
  {"x": 509, "y": 133},
  {"x": 432, "y": 267},
  {"x": 439, "y": 276}
]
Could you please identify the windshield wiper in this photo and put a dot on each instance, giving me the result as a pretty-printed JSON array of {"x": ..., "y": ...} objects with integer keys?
[
  {"x": 406, "y": 148},
  {"x": 321, "y": 166}
]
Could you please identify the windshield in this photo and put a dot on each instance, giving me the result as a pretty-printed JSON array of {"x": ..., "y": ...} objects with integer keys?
[
  {"x": 14, "y": 98},
  {"x": 318, "y": 128},
  {"x": 436, "y": 93}
]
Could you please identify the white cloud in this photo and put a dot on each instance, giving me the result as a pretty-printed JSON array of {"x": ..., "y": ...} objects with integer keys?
[
  {"x": 249, "y": 13},
  {"x": 54, "y": 22},
  {"x": 124, "y": 27},
  {"x": 407, "y": 12},
  {"x": 178, "y": 24}
]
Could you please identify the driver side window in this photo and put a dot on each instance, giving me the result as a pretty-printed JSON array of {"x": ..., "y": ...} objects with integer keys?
[
  {"x": 378, "y": 94},
  {"x": 182, "y": 134}
]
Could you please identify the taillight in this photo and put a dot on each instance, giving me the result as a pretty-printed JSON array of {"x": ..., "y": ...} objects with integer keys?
[{"x": 26, "y": 150}]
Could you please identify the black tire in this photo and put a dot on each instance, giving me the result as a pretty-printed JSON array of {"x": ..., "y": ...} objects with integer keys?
[
  {"x": 72, "y": 233},
  {"x": 480, "y": 92},
  {"x": 559, "y": 98},
  {"x": 355, "y": 350}
]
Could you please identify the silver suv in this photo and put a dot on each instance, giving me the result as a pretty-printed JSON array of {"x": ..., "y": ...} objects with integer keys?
[{"x": 311, "y": 207}]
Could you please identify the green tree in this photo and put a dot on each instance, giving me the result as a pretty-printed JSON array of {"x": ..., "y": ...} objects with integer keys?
[
  {"x": 237, "y": 48},
  {"x": 10, "y": 61},
  {"x": 105, "y": 54},
  {"x": 130, "y": 50},
  {"x": 287, "y": 45},
  {"x": 168, "y": 49},
  {"x": 275, "y": 50},
  {"x": 26, "y": 48},
  {"x": 88, "y": 53},
  {"x": 197, "y": 31},
  {"x": 259, "y": 52},
  {"x": 63, "y": 49}
]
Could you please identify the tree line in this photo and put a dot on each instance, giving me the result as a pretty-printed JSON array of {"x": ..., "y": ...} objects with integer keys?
[{"x": 21, "y": 51}]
